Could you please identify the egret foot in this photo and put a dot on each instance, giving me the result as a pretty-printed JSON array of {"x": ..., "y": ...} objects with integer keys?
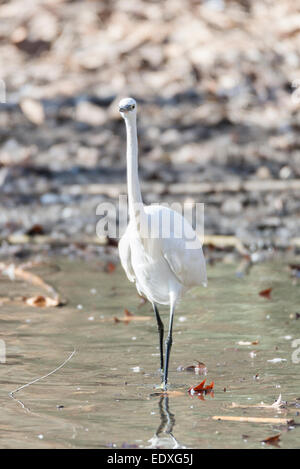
[{"x": 160, "y": 386}]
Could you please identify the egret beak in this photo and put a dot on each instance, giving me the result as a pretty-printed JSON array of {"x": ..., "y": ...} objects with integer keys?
[{"x": 125, "y": 108}]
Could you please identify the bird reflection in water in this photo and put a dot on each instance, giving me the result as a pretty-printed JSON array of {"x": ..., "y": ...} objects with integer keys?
[{"x": 163, "y": 437}]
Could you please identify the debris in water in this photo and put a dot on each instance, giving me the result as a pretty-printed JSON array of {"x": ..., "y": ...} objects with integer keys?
[
  {"x": 272, "y": 440},
  {"x": 200, "y": 388},
  {"x": 127, "y": 313},
  {"x": 266, "y": 293},
  {"x": 273, "y": 420},
  {"x": 128, "y": 316},
  {"x": 13, "y": 272},
  {"x": 41, "y": 301},
  {"x": 110, "y": 267},
  {"x": 277, "y": 360},
  {"x": 278, "y": 404},
  {"x": 199, "y": 368}
]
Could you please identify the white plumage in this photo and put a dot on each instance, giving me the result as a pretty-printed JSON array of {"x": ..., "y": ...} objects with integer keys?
[{"x": 159, "y": 251}]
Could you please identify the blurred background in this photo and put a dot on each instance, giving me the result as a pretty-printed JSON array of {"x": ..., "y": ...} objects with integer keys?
[{"x": 216, "y": 84}]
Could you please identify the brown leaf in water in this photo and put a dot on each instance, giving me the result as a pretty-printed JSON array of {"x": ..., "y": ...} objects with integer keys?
[
  {"x": 266, "y": 293},
  {"x": 41, "y": 301},
  {"x": 188, "y": 368},
  {"x": 201, "y": 388},
  {"x": 272, "y": 440},
  {"x": 209, "y": 387},
  {"x": 127, "y": 313},
  {"x": 110, "y": 267},
  {"x": 199, "y": 369}
]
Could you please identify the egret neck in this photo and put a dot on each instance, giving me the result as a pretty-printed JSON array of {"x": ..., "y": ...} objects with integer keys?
[{"x": 134, "y": 192}]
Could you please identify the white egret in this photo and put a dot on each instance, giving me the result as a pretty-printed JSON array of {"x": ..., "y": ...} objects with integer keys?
[{"x": 159, "y": 251}]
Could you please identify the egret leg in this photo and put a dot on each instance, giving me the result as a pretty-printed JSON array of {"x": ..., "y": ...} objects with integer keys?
[
  {"x": 168, "y": 343},
  {"x": 160, "y": 327}
]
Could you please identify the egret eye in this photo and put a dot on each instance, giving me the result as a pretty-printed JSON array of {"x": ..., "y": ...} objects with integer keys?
[{"x": 133, "y": 106}]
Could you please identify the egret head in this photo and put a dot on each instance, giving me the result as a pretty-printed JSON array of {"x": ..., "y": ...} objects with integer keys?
[{"x": 127, "y": 107}]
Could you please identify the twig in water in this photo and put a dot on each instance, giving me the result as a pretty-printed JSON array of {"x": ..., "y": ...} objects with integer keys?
[{"x": 11, "y": 394}]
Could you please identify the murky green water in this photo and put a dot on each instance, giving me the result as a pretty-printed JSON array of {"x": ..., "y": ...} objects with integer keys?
[{"x": 107, "y": 388}]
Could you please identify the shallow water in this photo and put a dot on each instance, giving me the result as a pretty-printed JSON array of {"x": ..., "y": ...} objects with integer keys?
[{"x": 107, "y": 388}]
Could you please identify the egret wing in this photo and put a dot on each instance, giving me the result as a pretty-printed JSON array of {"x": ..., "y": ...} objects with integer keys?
[
  {"x": 188, "y": 264},
  {"x": 125, "y": 256},
  {"x": 179, "y": 245}
]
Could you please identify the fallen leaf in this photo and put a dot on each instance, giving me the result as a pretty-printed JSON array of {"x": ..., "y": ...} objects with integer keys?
[
  {"x": 110, "y": 267},
  {"x": 35, "y": 230},
  {"x": 209, "y": 387},
  {"x": 41, "y": 301},
  {"x": 199, "y": 369},
  {"x": 127, "y": 313},
  {"x": 200, "y": 388},
  {"x": 272, "y": 440},
  {"x": 266, "y": 293}
]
